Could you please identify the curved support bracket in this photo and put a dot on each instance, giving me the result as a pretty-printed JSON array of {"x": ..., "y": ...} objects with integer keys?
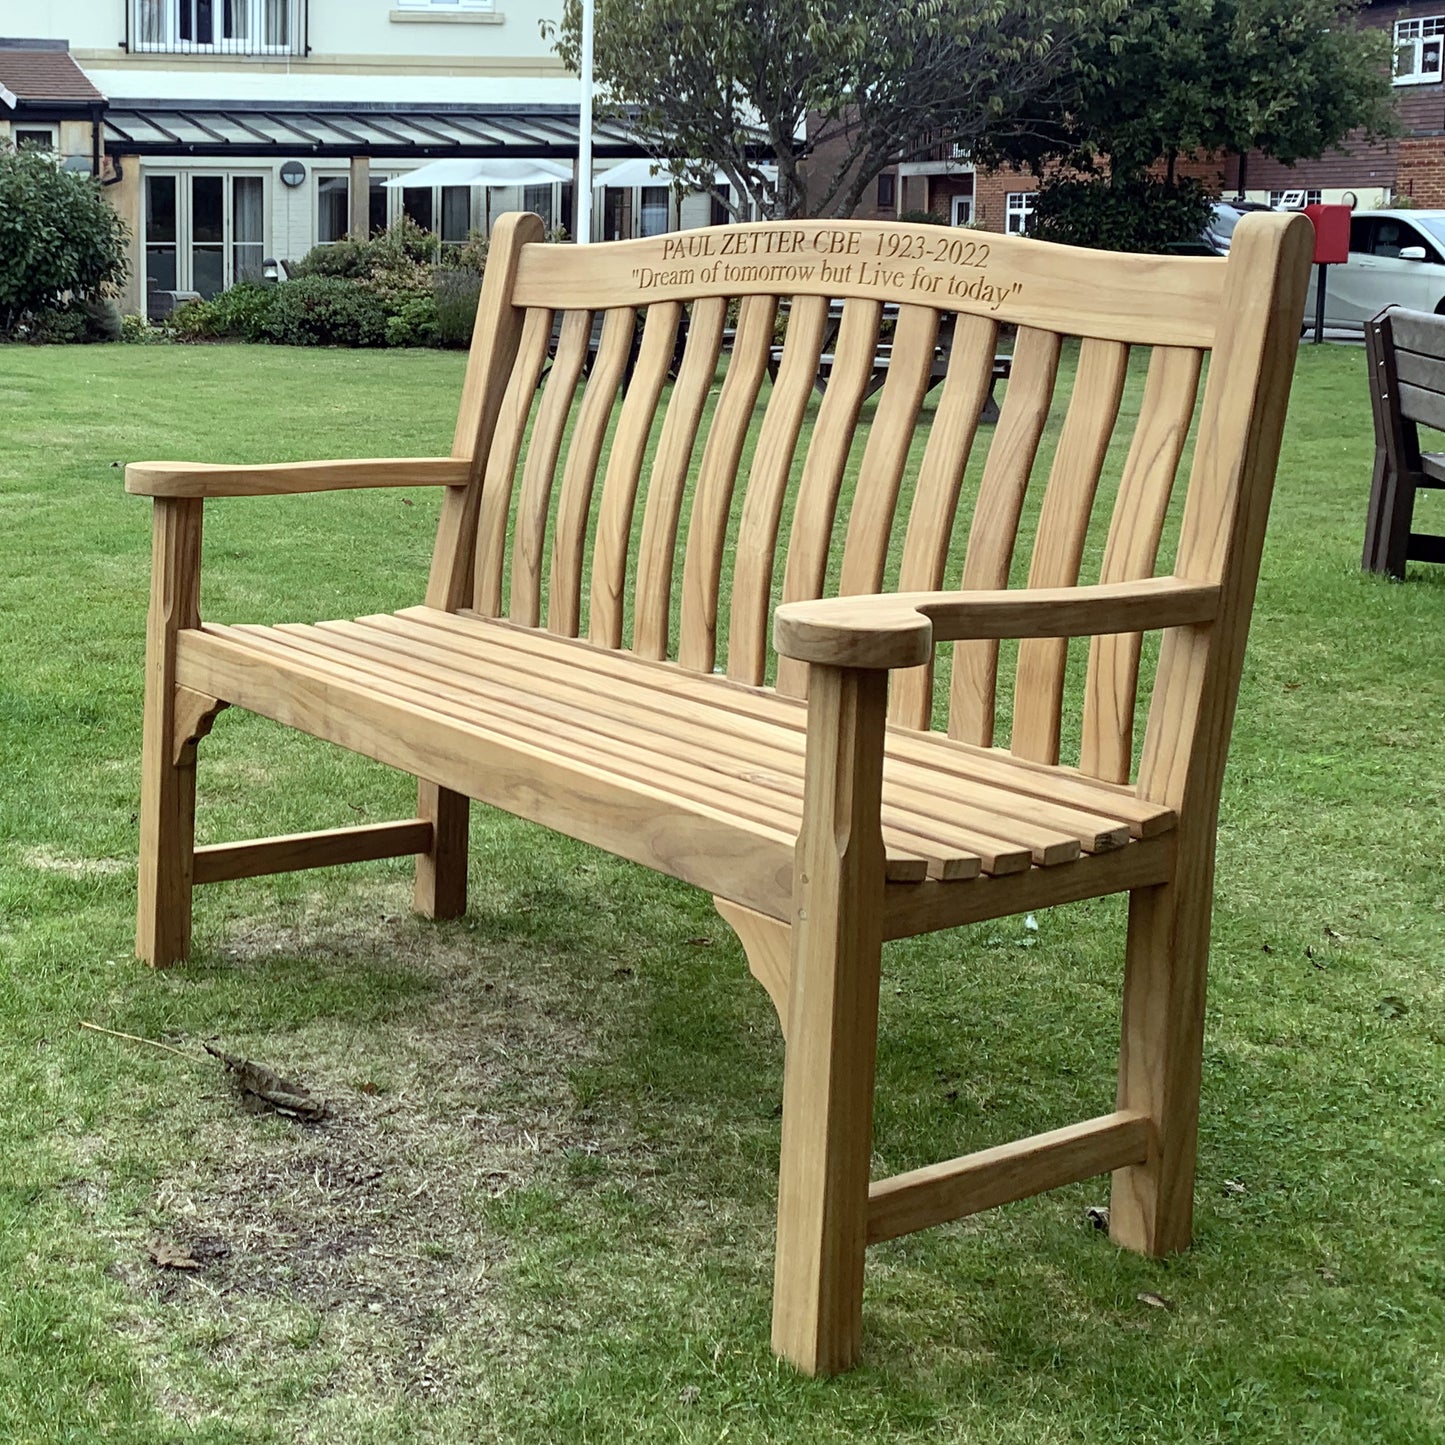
[
  {"x": 767, "y": 944},
  {"x": 195, "y": 715}
]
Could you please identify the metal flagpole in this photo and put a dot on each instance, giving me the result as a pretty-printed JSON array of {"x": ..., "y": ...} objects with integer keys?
[{"x": 584, "y": 129}]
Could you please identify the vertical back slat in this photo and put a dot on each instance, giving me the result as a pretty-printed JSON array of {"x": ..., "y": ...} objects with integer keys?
[
  {"x": 669, "y": 475},
  {"x": 624, "y": 468},
  {"x": 495, "y": 339},
  {"x": 832, "y": 439},
  {"x": 1131, "y": 552},
  {"x": 870, "y": 522},
  {"x": 501, "y": 470},
  {"x": 767, "y": 488},
  {"x": 996, "y": 520},
  {"x": 530, "y": 533},
  {"x": 1059, "y": 542},
  {"x": 717, "y": 477},
  {"x": 579, "y": 476},
  {"x": 935, "y": 499}
]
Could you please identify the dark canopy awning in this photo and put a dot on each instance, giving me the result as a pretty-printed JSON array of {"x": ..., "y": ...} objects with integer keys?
[{"x": 251, "y": 128}]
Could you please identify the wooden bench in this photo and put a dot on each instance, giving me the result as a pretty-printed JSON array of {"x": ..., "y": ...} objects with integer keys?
[
  {"x": 542, "y": 672},
  {"x": 1405, "y": 353}
]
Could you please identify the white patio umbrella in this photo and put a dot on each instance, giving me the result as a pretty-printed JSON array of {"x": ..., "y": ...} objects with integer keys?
[{"x": 498, "y": 171}]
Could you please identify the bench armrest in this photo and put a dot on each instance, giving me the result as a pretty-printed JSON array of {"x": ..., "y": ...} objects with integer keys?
[
  {"x": 205, "y": 479},
  {"x": 900, "y": 629}
]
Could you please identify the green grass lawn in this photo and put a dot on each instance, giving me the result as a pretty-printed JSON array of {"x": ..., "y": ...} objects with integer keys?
[{"x": 543, "y": 1207}]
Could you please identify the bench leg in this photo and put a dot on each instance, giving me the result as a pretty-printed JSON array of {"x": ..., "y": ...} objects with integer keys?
[
  {"x": 441, "y": 874},
  {"x": 832, "y": 1029},
  {"x": 168, "y": 764},
  {"x": 1152, "y": 1204}
]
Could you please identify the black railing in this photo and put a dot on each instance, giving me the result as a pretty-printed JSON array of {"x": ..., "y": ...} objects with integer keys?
[{"x": 216, "y": 27}]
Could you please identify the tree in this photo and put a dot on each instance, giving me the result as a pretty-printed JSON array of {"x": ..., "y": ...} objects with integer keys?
[
  {"x": 1290, "y": 78},
  {"x": 59, "y": 237},
  {"x": 727, "y": 85}
]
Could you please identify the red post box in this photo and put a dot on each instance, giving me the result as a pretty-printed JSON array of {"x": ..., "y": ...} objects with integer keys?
[
  {"x": 1332, "y": 246},
  {"x": 1332, "y": 233}
]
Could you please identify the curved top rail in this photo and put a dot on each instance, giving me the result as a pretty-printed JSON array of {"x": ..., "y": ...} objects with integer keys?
[{"x": 1067, "y": 289}]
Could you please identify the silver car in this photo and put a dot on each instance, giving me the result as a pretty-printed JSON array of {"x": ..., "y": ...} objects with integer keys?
[{"x": 1397, "y": 258}]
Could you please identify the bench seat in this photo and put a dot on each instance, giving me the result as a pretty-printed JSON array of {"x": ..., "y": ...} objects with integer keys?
[{"x": 708, "y": 772}]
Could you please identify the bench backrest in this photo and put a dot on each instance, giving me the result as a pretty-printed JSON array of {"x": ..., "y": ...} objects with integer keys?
[
  {"x": 581, "y": 516},
  {"x": 1413, "y": 347}
]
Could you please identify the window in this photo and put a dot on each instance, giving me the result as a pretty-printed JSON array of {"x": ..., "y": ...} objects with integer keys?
[
  {"x": 652, "y": 214},
  {"x": 887, "y": 191},
  {"x": 962, "y": 211},
  {"x": 539, "y": 199},
  {"x": 456, "y": 209},
  {"x": 1418, "y": 50},
  {"x": 38, "y": 138},
  {"x": 1293, "y": 200},
  {"x": 1018, "y": 212},
  {"x": 333, "y": 211},
  {"x": 239, "y": 27},
  {"x": 204, "y": 231}
]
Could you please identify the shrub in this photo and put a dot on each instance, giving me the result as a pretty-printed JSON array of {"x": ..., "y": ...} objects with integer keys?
[
  {"x": 921, "y": 218},
  {"x": 1117, "y": 215},
  {"x": 59, "y": 237},
  {"x": 414, "y": 322},
  {"x": 325, "y": 311},
  {"x": 241, "y": 314},
  {"x": 455, "y": 294},
  {"x": 135, "y": 330}
]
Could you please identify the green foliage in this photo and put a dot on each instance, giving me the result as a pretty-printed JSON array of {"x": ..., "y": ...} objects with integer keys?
[
  {"x": 471, "y": 256},
  {"x": 414, "y": 322},
  {"x": 731, "y": 84},
  {"x": 920, "y": 218},
  {"x": 59, "y": 237},
  {"x": 325, "y": 311},
  {"x": 241, "y": 314},
  {"x": 455, "y": 294},
  {"x": 135, "y": 330},
  {"x": 1177, "y": 77},
  {"x": 1121, "y": 215}
]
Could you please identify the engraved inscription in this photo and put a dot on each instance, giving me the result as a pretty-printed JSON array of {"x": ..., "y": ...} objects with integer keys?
[{"x": 939, "y": 267}]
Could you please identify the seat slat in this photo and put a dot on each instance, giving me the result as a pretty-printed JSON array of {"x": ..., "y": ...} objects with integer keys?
[
  {"x": 767, "y": 489},
  {"x": 1132, "y": 551},
  {"x": 1054, "y": 830},
  {"x": 870, "y": 522},
  {"x": 624, "y": 469},
  {"x": 935, "y": 498},
  {"x": 653, "y": 597},
  {"x": 501, "y": 468},
  {"x": 579, "y": 476},
  {"x": 540, "y": 470},
  {"x": 1059, "y": 544},
  {"x": 1035, "y": 782},
  {"x": 832, "y": 439},
  {"x": 996, "y": 515},
  {"x": 717, "y": 476}
]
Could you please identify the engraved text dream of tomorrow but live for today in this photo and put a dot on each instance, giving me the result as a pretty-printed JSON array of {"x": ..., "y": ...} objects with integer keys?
[{"x": 940, "y": 267}]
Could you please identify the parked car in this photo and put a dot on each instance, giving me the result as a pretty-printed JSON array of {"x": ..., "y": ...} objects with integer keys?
[
  {"x": 1225, "y": 216},
  {"x": 1397, "y": 258}
]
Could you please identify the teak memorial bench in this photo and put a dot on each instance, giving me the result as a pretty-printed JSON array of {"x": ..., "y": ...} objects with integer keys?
[
  {"x": 1405, "y": 352},
  {"x": 543, "y": 674}
]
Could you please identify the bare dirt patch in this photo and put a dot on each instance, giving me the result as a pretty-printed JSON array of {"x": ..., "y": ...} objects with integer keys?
[
  {"x": 358, "y": 1250},
  {"x": 46, "y": 860}
]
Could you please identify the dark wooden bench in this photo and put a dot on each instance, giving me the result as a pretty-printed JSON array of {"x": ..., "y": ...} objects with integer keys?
[
  {"x": 592, "y": 652},
  {"x": 1406, "y": 355}
]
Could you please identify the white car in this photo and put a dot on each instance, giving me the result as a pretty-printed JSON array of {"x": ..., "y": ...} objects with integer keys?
[{"x": 1397, "y": 258}]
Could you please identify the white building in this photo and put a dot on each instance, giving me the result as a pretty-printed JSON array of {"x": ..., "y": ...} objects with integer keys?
[{"x": 233, "y": 131}]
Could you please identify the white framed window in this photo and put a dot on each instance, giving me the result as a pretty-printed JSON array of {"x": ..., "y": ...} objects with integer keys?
[
  {"x": 1018, "y": 213},
  {"x": 34, "y": 137},
  {"x": 232, "y": 27},
  {"x": 204, "y": 230},
  {"x": 1293, "y": 200},
  {"x": 1419, "y": 50},
  {"x": 961, "y": 208}
]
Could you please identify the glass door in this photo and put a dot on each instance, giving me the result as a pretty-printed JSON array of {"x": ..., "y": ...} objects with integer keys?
[
  {"x": 248, "y": 222},
  {"x": 161, "y": 230},
  {"x": 208, "y": 235}
]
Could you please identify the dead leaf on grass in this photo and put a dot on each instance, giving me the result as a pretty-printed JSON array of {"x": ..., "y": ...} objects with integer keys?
[
  {"x": 269, "y": 1090},
  {"x": 1154, "y": 1301},
  {"x": 165, "y": 1255}
]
